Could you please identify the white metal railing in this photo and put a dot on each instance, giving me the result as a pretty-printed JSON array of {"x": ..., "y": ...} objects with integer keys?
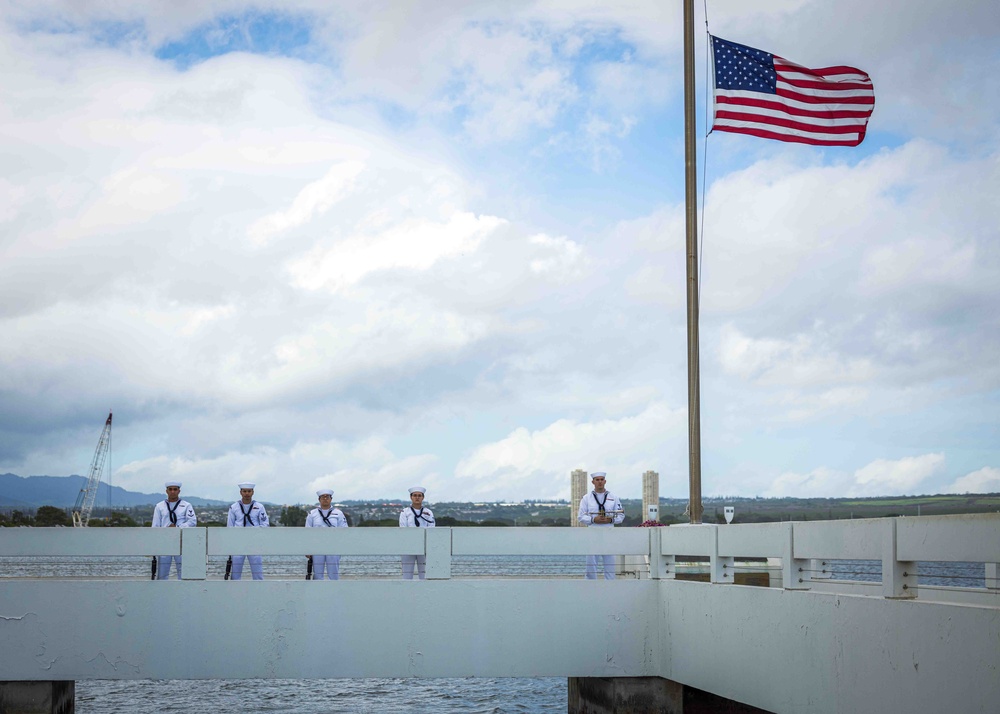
[
  {"x": 803, "y": 548},
  {"x": 806, "y": 550}
]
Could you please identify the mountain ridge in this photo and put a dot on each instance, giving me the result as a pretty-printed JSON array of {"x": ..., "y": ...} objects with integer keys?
[{"x": 61, "y": 491}]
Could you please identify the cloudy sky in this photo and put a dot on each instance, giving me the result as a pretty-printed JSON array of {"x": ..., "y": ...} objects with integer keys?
[{"x": 372, "y": 244}]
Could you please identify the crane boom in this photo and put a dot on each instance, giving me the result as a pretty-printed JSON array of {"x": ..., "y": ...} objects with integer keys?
[{"x": 88, "y": 494}]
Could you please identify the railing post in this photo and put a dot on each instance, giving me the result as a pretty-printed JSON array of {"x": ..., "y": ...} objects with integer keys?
[
  {"x": 898, "y": 577},
  {"x": 661, "y": 567},
  {"x": 722, "y": 569},
  {"x": 992, "y": 576},
  {"x": 437, "y": 546},
  {"x": 794, "y": 571},
  {"x": 194, "y": 553}
]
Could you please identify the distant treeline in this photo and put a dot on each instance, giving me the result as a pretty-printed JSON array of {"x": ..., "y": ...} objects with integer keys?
[
  {"x": 369, "y": 514},
  {"x": 51, "y": 516}
]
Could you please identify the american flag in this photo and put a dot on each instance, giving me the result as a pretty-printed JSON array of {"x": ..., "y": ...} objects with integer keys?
[{"x": 765, "y": 95}]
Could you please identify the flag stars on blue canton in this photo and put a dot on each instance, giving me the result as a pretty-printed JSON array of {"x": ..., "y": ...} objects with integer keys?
[{"x": 743, "y": 68}]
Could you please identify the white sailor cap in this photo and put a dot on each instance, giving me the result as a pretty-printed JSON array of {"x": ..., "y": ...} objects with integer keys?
[
  {"x": 169, "y": 484},
  {"x": 324, "y": 492},
  {"x": 417, "y": 489},
  {"x": 247, "y": 484},
  {"x": 602, "y": 474}
]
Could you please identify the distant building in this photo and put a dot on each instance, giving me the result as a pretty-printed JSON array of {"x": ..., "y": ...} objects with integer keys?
[
  {"x": 651, "y": 496},
  {"x": 578, "y": 489}
]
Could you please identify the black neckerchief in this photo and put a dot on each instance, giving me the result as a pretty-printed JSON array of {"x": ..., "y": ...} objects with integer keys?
[
  {"x": 416, "y": 516},
  {"x": 246, "y": 514},
  {"x": 172, "y": 512},
  {"x": 326, "y": 518},
  {"x": 600, "y": 504}
]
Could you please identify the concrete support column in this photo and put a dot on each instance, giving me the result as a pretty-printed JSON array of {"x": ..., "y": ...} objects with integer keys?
[
  {"x": 38, "y": 697},
  {"x": 647, "y": 695},
  {"x": 625, "y": 695}
]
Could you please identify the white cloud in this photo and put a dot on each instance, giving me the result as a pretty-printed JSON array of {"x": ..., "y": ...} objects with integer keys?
[
  {"x": 835, "y": 289},
  {"x": 887, "y": 477},
  {"x": 561, "y": 256},
  {"x": 818, "y": 483},
  {"x": 366, "y": 468},
  {"x": 536, "y": 102},
  {"x": 803, "y": 361},
  {"x": 416, "y": 244},
  {"x": 396, "y": 231},
  {"x": 626, "y": 86},
  {"x": 929, "y": 261},
  {"x": 315, "y": 199},
  {"x": 540, "y": 461},
  {"x": 985, "y": 480},
  {"x": 881, "y": 477}
]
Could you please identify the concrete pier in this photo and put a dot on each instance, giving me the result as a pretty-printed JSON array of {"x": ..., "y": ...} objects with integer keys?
[{"x": 808, "y": 646}]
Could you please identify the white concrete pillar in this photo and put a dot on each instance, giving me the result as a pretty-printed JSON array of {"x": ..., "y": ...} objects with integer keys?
[
  {"x": 661, "y": 567},
  {"x": 194, "y": 553}
]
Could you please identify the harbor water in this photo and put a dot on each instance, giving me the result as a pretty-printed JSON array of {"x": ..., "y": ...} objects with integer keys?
[{"x": 329, "y": 696}]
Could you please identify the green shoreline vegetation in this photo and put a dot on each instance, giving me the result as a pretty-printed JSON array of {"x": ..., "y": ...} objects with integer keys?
[{"x": 548, "y": 514}]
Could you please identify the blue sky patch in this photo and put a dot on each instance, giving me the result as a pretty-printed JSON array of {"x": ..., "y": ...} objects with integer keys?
[
  {"x": 109, "y": 34},
  {"x": 257, "y": 33}
]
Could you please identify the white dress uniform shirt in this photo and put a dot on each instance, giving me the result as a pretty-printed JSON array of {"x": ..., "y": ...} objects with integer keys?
[
  {"x": 335, "y": 515},
  {"x": 256, "y": 515},
  {"x": 411, "y": 517},
  {"x": 244, "y": 516},
  {"x": 182, "y": 510},
  {"x": 186, "y": 518},
  {"x": 590, "y": 506},
  {"x": 330, "y": 563}
]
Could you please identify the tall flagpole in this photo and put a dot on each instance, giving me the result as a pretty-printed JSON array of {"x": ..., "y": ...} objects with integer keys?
[{"x": 691, "y": 215}]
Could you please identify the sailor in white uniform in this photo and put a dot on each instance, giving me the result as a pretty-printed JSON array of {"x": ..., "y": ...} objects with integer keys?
[
  {"x": 600, "y": 509},
  {"x": 326, "y": 516},
  {"x": 247, "y": 513},
  {"x": 172, "y": 513},
  {"x": 415, "y": 516}
]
